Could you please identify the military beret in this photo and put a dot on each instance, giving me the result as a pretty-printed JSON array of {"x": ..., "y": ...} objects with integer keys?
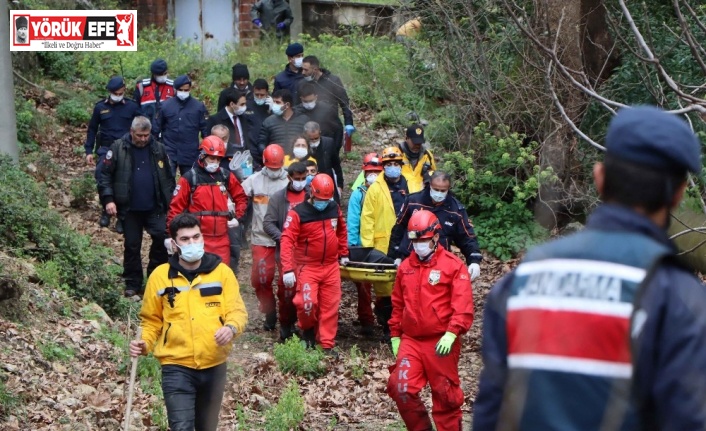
[
  {"x": 294, "y": 49},
  {"x": 649, "y": 136},
  {"x": 115, "y": 83},
  {"x": 21, "y": 22},
  {"x": 158, "y": 67},
  {"x": 240, "y": 71},
  {"x": 181, "y": 80}
]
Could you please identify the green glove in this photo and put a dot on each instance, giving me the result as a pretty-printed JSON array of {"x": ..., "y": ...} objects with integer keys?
[
  {"x": 443, "y": 347},
  {"x": 395, "y": 341}
]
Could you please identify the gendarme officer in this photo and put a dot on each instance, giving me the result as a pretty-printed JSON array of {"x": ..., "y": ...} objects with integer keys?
[{"x": 110, "y": 121}]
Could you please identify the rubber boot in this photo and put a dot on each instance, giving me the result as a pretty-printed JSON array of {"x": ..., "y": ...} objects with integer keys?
[
  {"x": 270, "y": 321},
  {"x": 104, "y": 220},
  {"x": 119, "y": 227},
  {"x": 309, "y": 338}
]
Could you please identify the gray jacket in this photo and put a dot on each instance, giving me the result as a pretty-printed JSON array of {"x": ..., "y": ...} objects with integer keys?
[{"x": 271, "y": 13}]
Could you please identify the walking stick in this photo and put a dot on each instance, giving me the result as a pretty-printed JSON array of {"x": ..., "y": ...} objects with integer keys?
[{"x": 131, "y": 388}]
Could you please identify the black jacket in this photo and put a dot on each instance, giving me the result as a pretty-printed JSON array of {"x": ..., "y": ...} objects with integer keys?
[
  {"x": 328, "y": 162},
  {"x": 249, "y": 95},
  {"x": 114, "y": 181},
  {"x": 330, "y": 89},
  {"x": 222, "y": 117},
  {"x": 327, "y": 117},
  {"x": 255, "y": 115},
  {"x": 455, "y": 226}
]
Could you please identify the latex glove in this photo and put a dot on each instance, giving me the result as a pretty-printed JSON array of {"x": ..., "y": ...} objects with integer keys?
[
  {"x": 269, "y": 101},
  {"x": 168, "y": 246},
  {"x": 233, "y": 223},
  {"x": 231, "y": 206},
  {"x": 443, "y": 347},
  {"x": 474, "y": 270},
  {"x": 349, "y": 129},
  {"x": 289, "y": 279},
  {"x": 395, "y": 341},
  {"x": 281, "y": 26},
  {"x": 344, "y": 261},
  {"x": 257, "y": 22},
  {"x": 397, "y": 262}
]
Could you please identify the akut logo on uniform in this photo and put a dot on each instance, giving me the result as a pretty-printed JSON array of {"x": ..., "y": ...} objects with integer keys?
[{"x": 63, "y": 28}]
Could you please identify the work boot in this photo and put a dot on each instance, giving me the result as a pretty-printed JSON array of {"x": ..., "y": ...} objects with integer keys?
[
  {"x": 104, "y": 220},
  {"x": 367, "y": 330},
  {"x": 309, "y": 338},
  {"x": 331, "y": 353},
  {"x": 119, "y": 226},
  {"x": 285, "y": 332},
  {"x": 270, "y": 321}
]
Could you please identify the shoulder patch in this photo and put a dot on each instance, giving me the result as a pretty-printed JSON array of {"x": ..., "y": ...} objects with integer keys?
[
  {"x": 463, "y": 277},
  {"x": 109, "y": 155},
  {"x": 176, "y": 190},
  {"x": 105, "y": 111},
  {"x": 434, "y": 277}
]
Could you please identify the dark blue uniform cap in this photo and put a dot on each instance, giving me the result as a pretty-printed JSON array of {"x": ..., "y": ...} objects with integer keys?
[
  {"x": 158, "y": 67},
  {"x": 181, "y": 80},
  {"x": 294, "y": 49},
  {"x": 649, "y": 136},
  {"x": 115, "y": 83}
]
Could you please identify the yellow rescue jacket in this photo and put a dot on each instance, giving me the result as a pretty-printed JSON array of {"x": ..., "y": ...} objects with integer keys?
[
  {"x": 378, "y": 216},
  {"x": 182, "y": 332},
  {"x": 415, "y": 176}
]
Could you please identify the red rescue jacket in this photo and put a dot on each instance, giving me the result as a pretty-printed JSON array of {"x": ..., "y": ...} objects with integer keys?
[
  {"x": 313, "y": 237},
  {"x": 206, "y": 196},
  {"x": 431, "y": 297}
]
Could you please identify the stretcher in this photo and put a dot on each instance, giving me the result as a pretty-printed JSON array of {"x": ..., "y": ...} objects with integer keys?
[{"x": 381, "y": 275}]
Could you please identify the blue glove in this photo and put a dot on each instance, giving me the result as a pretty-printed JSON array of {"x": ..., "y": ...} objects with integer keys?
[
  {"x": 257, "y": 22},
  {"x": 349, "y": 129},
  {"x": 281, "y": 26}
]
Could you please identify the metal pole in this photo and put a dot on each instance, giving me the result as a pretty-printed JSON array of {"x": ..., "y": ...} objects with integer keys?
[{"x": 8, "y": 126}]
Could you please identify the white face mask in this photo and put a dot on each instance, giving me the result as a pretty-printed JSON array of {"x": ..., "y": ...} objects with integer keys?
[
  {"x": 309, "y": 105},
  {"x": 277, "y": 109},
  {"x": 298, "y": 61},
  {"x": 240, "y": 111},
  {"x": 161, "y": 79},
  {"x": 438, "y": 196},
  {"x": 182, "y": 95},
  {"x": 212, "y": 167},
  {"x": 116, "y": 99},
  {"x": 370, "y": 178},
  {"x": 309, "y": 78},
  {"x": 272, "y": 173},
  {"x": 423, "y": 249},
  {"x": 300, "y": 152},
  {"x": 298, "y": 186},
  {"x": 191, "y": 252},
  {"x": 314, "y": 144}
]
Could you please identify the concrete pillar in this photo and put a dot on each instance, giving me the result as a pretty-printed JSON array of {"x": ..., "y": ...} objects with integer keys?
[{"x": 8, "y": 125}]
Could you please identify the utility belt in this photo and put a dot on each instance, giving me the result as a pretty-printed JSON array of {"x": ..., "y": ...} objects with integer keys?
[{"x": 227, "y": 214}]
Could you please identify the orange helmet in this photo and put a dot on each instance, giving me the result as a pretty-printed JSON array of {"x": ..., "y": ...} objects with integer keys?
[
  {"x": 422, "y": 224},
  {"x": 372, "y": 162},
  {"x": 391, "y": 154},
  {"x": 322, "y": 187},
  {"x": 273, "y": 156},
  {"x": 213, "y": 146}
]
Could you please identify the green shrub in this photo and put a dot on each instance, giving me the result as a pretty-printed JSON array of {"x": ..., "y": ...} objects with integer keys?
[
  {"x": 9, "y": 402},
  {"x": 53, "y": 351},
  {"x": 357, "y": 363},
  {"x": 293, "y": 357},
  {"x": 498, "y": 180},
  {"x": 25, "y": 114},
  {"x": 73, "y": 112},
  {"x": 58, "y": 64},
  {"x": 28, "y": 227},
  {"x": 83, "y": 189},
  {"x": 289, "y": 411}
]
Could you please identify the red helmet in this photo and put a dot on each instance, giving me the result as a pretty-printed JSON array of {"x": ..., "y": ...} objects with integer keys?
[
  {"x": 273, "y": 156},
  {"x": 213, "y": 146},
  {"x": 372, "y": 162},
  {"x": 422, "y": 224},
  {"x": 322, "y": 187}
]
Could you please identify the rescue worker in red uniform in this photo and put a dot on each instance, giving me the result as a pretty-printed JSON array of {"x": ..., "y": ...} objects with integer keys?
[
  {"x": 213, "y": 194},
  {"x": 314, "y": 241},
  {"x": 152, "y": 91},
  {"x": 432, "y": 305}
]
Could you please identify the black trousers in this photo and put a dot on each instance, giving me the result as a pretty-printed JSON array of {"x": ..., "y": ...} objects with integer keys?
[
  {"x": 134, "y": 223},
  {"x": 193, "y": 397}
]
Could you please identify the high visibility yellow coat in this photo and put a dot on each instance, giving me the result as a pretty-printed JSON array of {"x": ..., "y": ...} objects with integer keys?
[
  {"x": 415, "y": 176},
  {"x": 378, "y": 216}
]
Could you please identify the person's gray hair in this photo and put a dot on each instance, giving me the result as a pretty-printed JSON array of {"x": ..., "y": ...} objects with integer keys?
[
  {"x": 221, "y": 128},
  {"x": 311, "y": 127},
  {"x": 140, "y": 124},
  {"x": 440, "y": 174}
]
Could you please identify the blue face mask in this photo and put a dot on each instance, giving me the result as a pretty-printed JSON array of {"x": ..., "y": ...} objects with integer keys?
[
  {"x": 320, "y": 205},
  {"x": 393, "y": 171},
  {"x": 308, "y": 179},
  {"x": 191, "y": 252}
]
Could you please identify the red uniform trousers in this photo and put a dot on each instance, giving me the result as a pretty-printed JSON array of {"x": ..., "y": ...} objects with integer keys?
[
  {"x": 317, "y": 300},
  {"x": 417, "y": 363},
  {"x": 262, "y": 274},
  {"x": 219, "y": 245},
  {"x": 365, "y": 309}
]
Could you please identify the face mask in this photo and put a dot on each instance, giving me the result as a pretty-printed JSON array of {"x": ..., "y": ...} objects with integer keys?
[
  {"x": 191, "y": 252},
  {"x": 309, "y": 78},
  {"x": 371, "y": 178},
  {"x": 260, "y": 102},
  {"x": 212, "y": 167},
  {"x": 393, "y": 171},
  {"x": 308, "y": 179},
  {"x": 309, "y": 105},
  {"x": 423, "y": 249},
  {"x": 438, "y": 196},
  {"x": 314, "y": 144},
  {"x": 298, "y": 186},
  {"x": 300, "y": 153},
  {"x": 183, "y": 95},
  {"x": 277, "y": 109},
  {"x": 298, "y": 62},
  {"x": 240, "y": 111},
  {"x": 161, "y": 79},
  {"x": 272, "y": 173},
  {"x": 320, "y": 205},
  {"x": 116, "y": 99}
]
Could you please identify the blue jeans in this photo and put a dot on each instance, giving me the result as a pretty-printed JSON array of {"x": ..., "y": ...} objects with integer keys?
[{"x": 193, "y": 397}]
